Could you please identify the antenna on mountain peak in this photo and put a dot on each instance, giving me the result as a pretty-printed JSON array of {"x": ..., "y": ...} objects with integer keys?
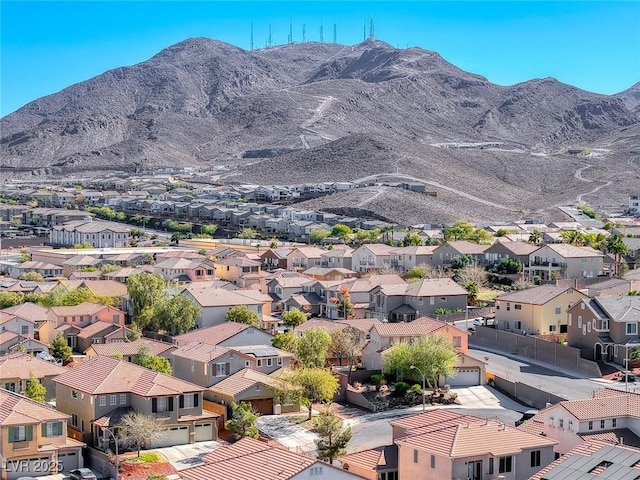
[
  {"x": 270, "y": 37},
  {"x": 251, "y": 44},
  {"x": 290, "y": 31},
  {"x": 372, "y": 35},
  {"x": 335, "y": 32},
  {"x": 321, "y": 32},
  {"x": 304, "y": 33},
  {"x": 364, "y": 31}
]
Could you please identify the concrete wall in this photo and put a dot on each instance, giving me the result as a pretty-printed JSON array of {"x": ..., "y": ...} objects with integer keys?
[
  {"x": 561, "y": 356},
  {"x": 534, "y": 397}
]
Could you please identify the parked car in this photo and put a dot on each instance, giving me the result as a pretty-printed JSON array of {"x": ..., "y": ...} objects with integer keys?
[
  {"x": 82, "y": 474},
  {"x": 629, "y": 378}
]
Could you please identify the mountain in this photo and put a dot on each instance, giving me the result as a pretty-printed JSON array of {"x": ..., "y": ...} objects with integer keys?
[{"x": 310, "y": 111}]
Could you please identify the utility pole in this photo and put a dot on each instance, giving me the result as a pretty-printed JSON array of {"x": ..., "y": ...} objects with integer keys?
[
  {"x": 270, "y": 38},
  {"x": 335, "y": 33},
  {"x": 304, "y": 33},
  {"x": 251, "y": 44},
  {"x": 372, "y": 35},
  {"x": 321, "y": 32},
  {"x": 290, "y": 31}
]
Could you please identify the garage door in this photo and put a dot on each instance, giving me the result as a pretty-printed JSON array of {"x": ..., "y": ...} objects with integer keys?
[
  {"x": 204, "y": 432},
  {"x": 465, "y": 377},
  {"x": 263, "y": 406},
  {"x": 173, "y": 436},
  {"x": 67, "y": 461},
  {"x": 27, "y": 468}
]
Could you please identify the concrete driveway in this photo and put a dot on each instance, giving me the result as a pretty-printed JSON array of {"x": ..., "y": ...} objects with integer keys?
[
  {"x": 287, "y": 433},
  {"x": 185, "y": 456}
]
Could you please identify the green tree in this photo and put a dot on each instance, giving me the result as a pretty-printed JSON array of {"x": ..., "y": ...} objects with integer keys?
[
  {"x": 83, "y": 245},
  {"x": 109, "y": 267},
  {"x": 617, "y": 247},
  {"x": 145, "y": 289},
  {"x": 535, "y": 237},
  {"x": 293, "y": 318},
  {"x": 312, "y": 347},
  {"x": 248, "y": 233},
  {"x": 316, "y": 236},
  {"x": 175, "y": 315},
  {"x": 209, "y": 229},
  {"x": 60, "y": 349},
  {"x": 333, "y": 437},
  {"x": 343, "y": 232},
  {"x": 243, "y": 421},
  {"x": 573, "y": 237},
  {"x": 463, "y": 230},
  {"x": 310, "y": 385},
  {"x": 133, "y": 334},
  {"x": 412, "y": 240},
  {"x": 145, "y": 359},
  {"x": 138, "y": 431},
  {"x": 285, "y": 341},
  {"x": 9, "y": 299},
  {"x": 23, "y": 258},
  {"x": 348, "y": 343},
  {"x": 35, "y": 390},
  {"x": 473, "y": 290},
  {"x": 242, "y": 314},
  {"x": 32, "y": 277},
  {"x": 434, "y": 355}
]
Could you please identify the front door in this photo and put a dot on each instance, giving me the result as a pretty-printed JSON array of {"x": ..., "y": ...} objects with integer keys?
[{"x": 474, "y": 470}]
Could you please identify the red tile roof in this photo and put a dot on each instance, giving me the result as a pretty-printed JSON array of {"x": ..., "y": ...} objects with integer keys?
[
  {"x": 130, "y": 348},
  {"x": 16, "y": 409},
  {"x": 103, "y": 375},
  {"x": 20, "y": 365},
  {"x": 212, "y": 335}
]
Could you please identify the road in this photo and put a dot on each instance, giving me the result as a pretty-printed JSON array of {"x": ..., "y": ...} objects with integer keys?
[{"x": 522, "y": 370}]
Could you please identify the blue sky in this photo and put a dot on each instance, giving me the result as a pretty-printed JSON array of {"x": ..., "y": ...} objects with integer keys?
[{"x": 595, "y": 45}]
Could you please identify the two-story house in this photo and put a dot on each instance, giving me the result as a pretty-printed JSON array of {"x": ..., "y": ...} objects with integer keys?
[
  {"x": 359, "y": 290},
  {"x": 232, "y": 269},
  {"x": 406, "y": 258},
  {"x": 228, "y": 334},
  {"x": 373, "y": 256},
  {"x": 301, "y": 258},
  {"x": 16, "y": 369},
  {"x": 500, "y": 251},
  {"x": 561, "y": 260},
  {"x": 97, "y": 233},
  {"x": 445, "y": 254},
  {"x": 337, "y": 257},
  {"x": 536, "y": 311},
  {"x": 605, "y": 328},
  {"x": 100, "y": 390},
  {"x": 186, "y": 269},
  {"x": 33, "y": 439}
]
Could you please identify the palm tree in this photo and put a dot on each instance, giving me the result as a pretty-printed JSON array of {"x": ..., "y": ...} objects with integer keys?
[
  {"x": 616, "y": 247},
  {"x": 535, "y": 237}
]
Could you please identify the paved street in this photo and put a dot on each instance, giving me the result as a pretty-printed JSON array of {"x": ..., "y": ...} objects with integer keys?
[{"x": 523, "y": 370}]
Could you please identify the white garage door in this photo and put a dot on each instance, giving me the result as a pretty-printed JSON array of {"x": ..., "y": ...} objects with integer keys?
[
  {"x": 173, "y": 436},
  {"x": 465, "y": 377},
  {"x": 67, "y": 461},
  {"x": 27, "y": 468},
  {"x": 204, "y": 432}
]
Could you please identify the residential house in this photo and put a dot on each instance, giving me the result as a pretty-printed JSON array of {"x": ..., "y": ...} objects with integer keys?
[
  {"x": 129, "y": 350},
  {"x": 33, "y": 439},
  {"x": 374, "y": 256},
  {"x": 98, "y": 234},
  {"x": 47, "y": 270},
  {"x": 186, "y": 269},
  {"x": 536, "y": 311},
  {"x": 216, "y": 302},
  {"x": 232, "y": 269},
  {"x": 251, "y": 459},
  {"x": 605, "y": 328},
  {"x": 561, "y": 260},
  {"x": 426, "y": 297},
  {"x": 10, "y": 342},
  {"x": 445, "y": 254},
  {"x": 301, "y": 258},
  {"x": 228, "y": 334},
  {"x": 441, "y": 445},
  {"x": 500, "y": 251},
  {"x": 337, "y": 257},
  {"x": 329, "y": 273},
  {"x": 10, "y": 322},
  {"x": 100, "y": 332},
  {"x": 80, "y": 262},
  {"x": 469, "y": 371},
  {"x": 593, "y": 459},
  {"x": 609, "y": 414},
  {"x": 275, "y": 258},
  {"x": 359, "y": 291},
  {"x": 16, "y": 369},
  {"x": 284, "y": 284},
  {"x": 100, "y": 390},
  {"x": 406, "y": 258}
]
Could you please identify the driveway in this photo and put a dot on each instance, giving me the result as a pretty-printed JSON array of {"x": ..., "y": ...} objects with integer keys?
[
  {"x": 287, "y": 433},
  {"x": 185, "y": 456}
]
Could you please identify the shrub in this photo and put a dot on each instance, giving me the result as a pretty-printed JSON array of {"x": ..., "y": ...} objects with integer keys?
[
  {"x": 415, "y": 388},
  {"x": 378, "y": 379},
  {"x": 400, "y": 389}
]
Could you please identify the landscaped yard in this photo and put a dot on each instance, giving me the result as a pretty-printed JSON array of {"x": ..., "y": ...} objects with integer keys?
[
  {"x": 387, "y": 395},
  {"x": 149, "y": 466}
]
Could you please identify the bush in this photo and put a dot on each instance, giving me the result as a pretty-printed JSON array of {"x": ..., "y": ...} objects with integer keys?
[
  {"x": 400, "y": 389},
  {"x": 415, "y": 388},
  {"x": 378, "y": 380}
]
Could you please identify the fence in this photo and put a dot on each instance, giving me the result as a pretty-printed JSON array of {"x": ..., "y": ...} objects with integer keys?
[
  {"x": 560, "y": 356},
  {"x": 532, "y": 396},
  {"x": 100, "y": 463}
]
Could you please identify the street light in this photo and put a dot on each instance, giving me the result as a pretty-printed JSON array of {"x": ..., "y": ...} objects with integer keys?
[
  {"x": 424, "y": 405},
  {"x": 108, "y": 430}
]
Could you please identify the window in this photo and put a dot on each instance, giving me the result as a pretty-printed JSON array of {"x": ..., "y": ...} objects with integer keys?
[
  {"x": 74, "y": 394},
  {"x": 490, "y": 466},
  {"x": 579, "y": 321},
  {"x": 221, "y": 370},
  {"x": 590, "y": 425},
  {"x": 74, "y": 419},
  {"x": 269, "y": 362},
  {"x": 508, "y": 307},
  {"x": 569, "y": 320},
  {"x": 570, "y": 425},
  {"x": 505, "y": 465},
  {"x": 582, "y": 306},
  {"x": 247, "y": 363},
  {"x": 535, "y": 458},
  {"x": 632, "y": 328},
  {"x": 433, "y": 461},
  {"x": 11, "y": 386},
  {"x": 18, "y": 434},
  {"x": 102, "y": 401},
  {"x": 602, "y": 424},
  {"x": 517, "y": 307},
  {"x": 279, "y": 361},
  {"x": 560, "y": 423},
  {"x": 558, "y": 310},
  {"x": 123, "y": 399},
  {"x": 605, "y": 324},
  {"x": 116, "y": 319},
  {"x": 457, "y": 341},
  {"x": 259, "y": 362},
  {"x": 161, "y": 404},
  {"x": 552, "y": 328},
  {"x": 113, "y": 399},
  {"x": 187, "y": 401},
  {"x": 51, "y": 429},
  {"x": 24, "y": 329},
  {"x": 415, "y": 456},
  {"x": 614, "y": 422}
]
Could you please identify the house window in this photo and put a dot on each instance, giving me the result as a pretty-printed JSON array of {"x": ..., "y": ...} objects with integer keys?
[
  {"x": 433, "y": 461},
  {"x": 561, "y": 423},
  {"x": 589, "y": 327},
  {"x": 415, "y": 456},
  {"x": 52, "y": 429},
  {"x": 161, "y": 404},
  {"x": 569, "y": 319},
  {"x": 505, "y": 465},
  {"x": 259, "y": 362},
  {"x": 517, "y": 307},
  {"x": 279, "y": 361},
  {"x": 457, "y": 341},
  {"x": 102, "y": 401},
  {"x": 11, "y": 386},
  {"x": 590, "y": 425},
  {"x": 18, "y": 434},
  {"x": 614, "y": 422},
  {"x": 579, "y": 321},
  {"x": 632, "y": 328},
  {"x": 221, "y": 370},
  {"x": 74, "y": 394},
  {"x": 535, "y": 458},
  {"x": 24, "y": 329},
  {"x": 187, "y": 401},
  {"x": 552, "y": 328},
  {"x": 116, "y": 319},
  {"x": 571, "y": 425},
  {"x": 602, "y": 424},
  {"x": 269, "y": 362},
  {"x": 247, "y": 363},
  {"x": 582, "y": 306},
  {"x": 508, "y": 307},
  {"x": 113, "y": 399},
  {"x": 123, "y": 399},
  {"x": 74, "y": 419},
  {"x": 490, "y": 466},
  {"x": 605, "y": 324},
  {"x": 558, "y": 310}
]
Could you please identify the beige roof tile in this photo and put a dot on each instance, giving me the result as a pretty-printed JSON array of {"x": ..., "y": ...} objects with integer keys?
[
  {"x": 20, "y": 365},
  {"x": 242, "y": 380},
  {"x": 130, "y": 348},
  {"x": 212, "y": 335},
  {"x": 18, "y": 410},
  {"x": 534, "y": 296}
]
